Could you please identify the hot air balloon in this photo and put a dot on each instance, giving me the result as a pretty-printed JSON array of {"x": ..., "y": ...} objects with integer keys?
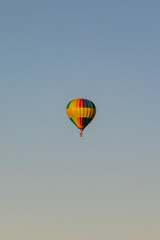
[{"x": 81, "y": 112}]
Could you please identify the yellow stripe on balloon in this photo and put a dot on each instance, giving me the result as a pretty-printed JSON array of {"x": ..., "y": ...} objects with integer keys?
[{"x": 80, "y": 112}]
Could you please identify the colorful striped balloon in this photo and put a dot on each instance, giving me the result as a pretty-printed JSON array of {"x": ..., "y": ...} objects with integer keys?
[{"x": 81, "y": 112}]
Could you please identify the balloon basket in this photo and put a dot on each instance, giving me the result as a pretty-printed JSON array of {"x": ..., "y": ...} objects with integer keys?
[{"x": 81, "y": 134}]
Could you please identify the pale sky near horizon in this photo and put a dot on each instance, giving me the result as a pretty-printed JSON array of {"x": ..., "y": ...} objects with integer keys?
[{"x": 54, "y": 184}]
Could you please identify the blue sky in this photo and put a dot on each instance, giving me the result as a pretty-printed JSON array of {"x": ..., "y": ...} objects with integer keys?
[{"x": 53, "y": 183}]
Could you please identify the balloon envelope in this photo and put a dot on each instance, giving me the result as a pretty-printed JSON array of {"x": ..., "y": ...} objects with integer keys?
[{"x": 81, "y": 112}]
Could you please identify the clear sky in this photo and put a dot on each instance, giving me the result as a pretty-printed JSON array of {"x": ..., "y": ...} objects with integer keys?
[{"x": 54, "y": 184}]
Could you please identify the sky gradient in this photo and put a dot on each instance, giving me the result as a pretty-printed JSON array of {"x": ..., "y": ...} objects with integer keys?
[{"x": 54, "y": 184}]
